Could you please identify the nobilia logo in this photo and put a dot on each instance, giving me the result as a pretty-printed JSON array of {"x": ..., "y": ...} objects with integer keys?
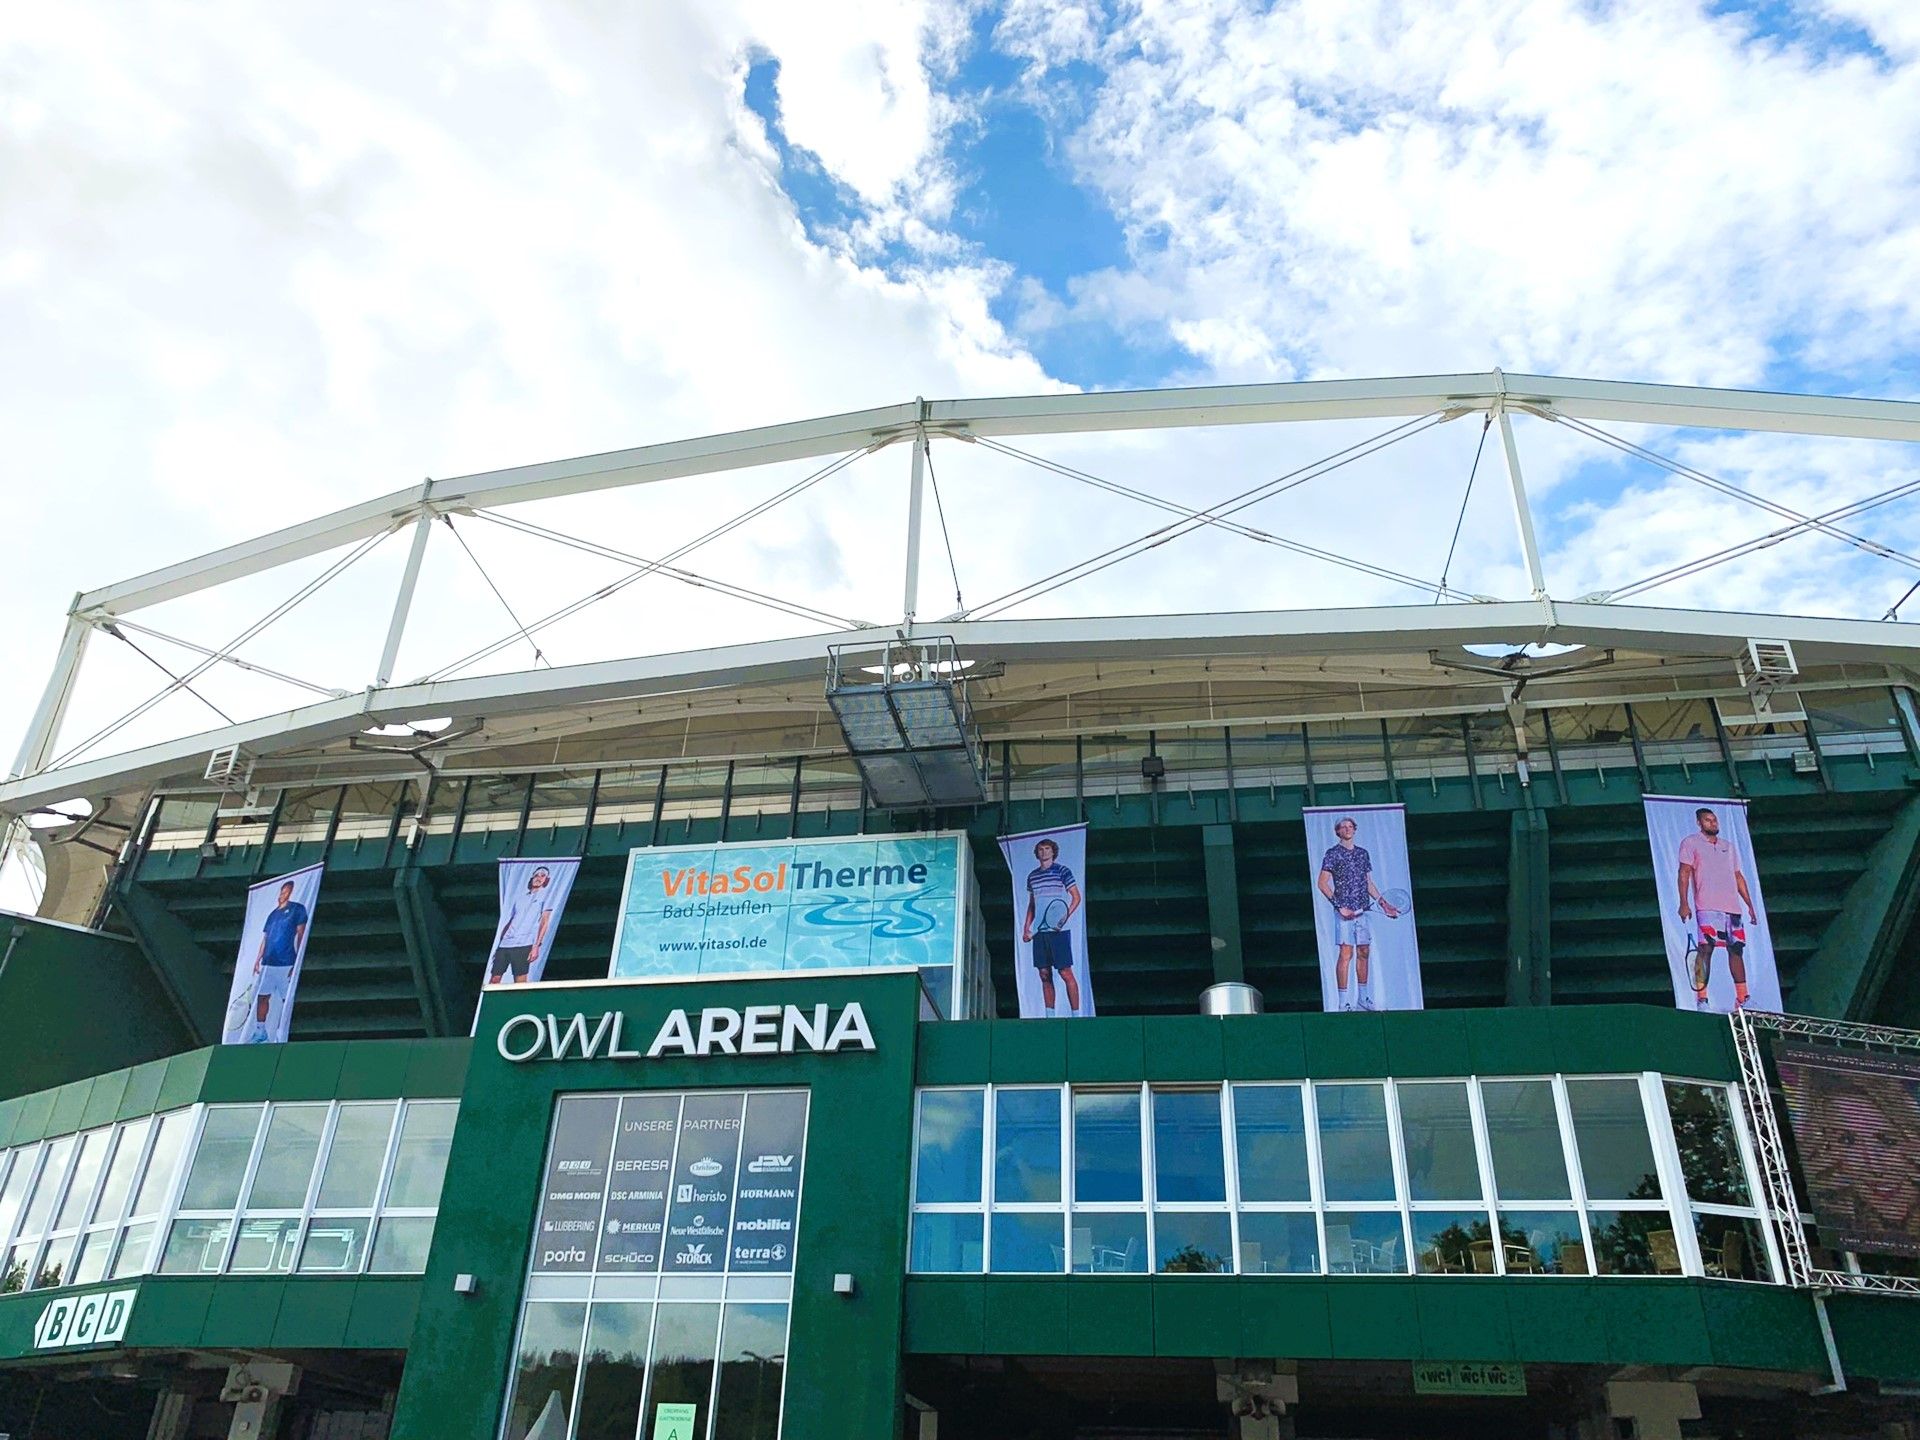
[
  {"x": 719, "y": 1030},
  {"x": 97, "y": 1319}
]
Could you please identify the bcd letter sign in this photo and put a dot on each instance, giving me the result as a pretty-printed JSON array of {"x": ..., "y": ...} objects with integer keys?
[{"x": 97, "y": 1319}]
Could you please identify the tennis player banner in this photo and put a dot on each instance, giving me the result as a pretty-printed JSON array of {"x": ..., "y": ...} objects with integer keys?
[
  {"x": 1048, "y": 869},
  {"x": 1719, "y": 949},
  {"x": 1363, "y": 907},
  {"x": 273, "y": 948},
  {"x": 533, "y": 897}
]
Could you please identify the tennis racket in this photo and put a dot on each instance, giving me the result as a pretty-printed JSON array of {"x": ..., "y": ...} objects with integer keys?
[
  {"x": 1400, "y": 900},
  {"x": 238, "y": 1008},
  {"x": 1053, "y": 916}
]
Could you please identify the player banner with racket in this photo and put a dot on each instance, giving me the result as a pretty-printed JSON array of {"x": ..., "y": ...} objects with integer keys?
[
  {"x": 273, "y": 946},
  {"x": 533, "y": 897},
  {"x": 1049, "y": 869},
  {"x": 1363, "y": 907},
  {"x": 1719, "y": 947}
]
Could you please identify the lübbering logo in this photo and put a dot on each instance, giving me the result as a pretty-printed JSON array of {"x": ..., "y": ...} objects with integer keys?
[{"x": 97, "y": 1319}]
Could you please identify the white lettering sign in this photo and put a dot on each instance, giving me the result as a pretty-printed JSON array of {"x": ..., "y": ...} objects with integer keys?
[
  {"x": 96, "y": 1319},
  {"x": 717, "y": 1030}
]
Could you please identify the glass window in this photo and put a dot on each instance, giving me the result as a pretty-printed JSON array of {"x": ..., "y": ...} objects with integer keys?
[
  {"x": 400, "y": 1245},
  {"x": 684, "y": 1341},
  {"x": 1610, "y": 1129},
  {"x": 88, "y": 1162},
  {"x": 1709, "y": 1148},
  {"x": 1189, "y": 1165},
  {"x": 134, "y": 1254},
  {"x": 334, "y": 1244},
  {"x": 1026, "y": 1158},
  {"x": 1452, "y": 1242},
  {"x": 1543, "y": 1242},
  {"x": 1365, "y": 1242},
  {"x": 195, "y": 1247},
  {"x": 163, "y": 1164},
  {"x": 1028, "y": 1243},
  {"x": 1356, "y": 1157},
  {"x": 420, "y": 1161},
  {"x": 541, "y": 1400},
  {"x": 1634, "y": 1242},
  {"x": 1732, "y": 1247},
  {"x": 39, "y": 1208},
  {"x": 1270, "y": 1133},
  {"x": 1104, "y": 1242},
  {"x": 264, "y": 1246},
  {"x": 951, "y": 1141},
  {"x": 1523, "y": 1132},
  {"x": 1106, "y": 1147},
  {"x": 118, "y": 1185},
  {"x": 13, "y": 1193},
  {"x": 220, "y": 1159},
  {"x": 616, "y": 1371},
  {"x": 1279, "y": 1243},
  {"x": 1436, "y": 1129},
  {"x": 90, "y": 1256},
  {"x": 753, "y": 1366},
  {"x": 54, "y": 1261},
  {"x": 947, "y": 1240},
  {"x": 285, "y": 1170},
  {"x": 1192, "y": 1242},
  {"x": 355, "y": 1157}
]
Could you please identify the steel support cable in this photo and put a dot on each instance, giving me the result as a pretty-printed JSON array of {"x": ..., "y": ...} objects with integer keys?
[
  {"x": 941, "y": 510},
  {"x": 114, "y": 630},
  {"x": 298, "y": 596},
  {"x": 1893, "y": 611},
  {"x": 672, "y": 572},
  {"x": 641, "y": 573},
  {"x": 539, "y": 655},
  {"x": 1196, "y": 519},
  {"x": 1249, "y": 532},
  {"x": 1461, "y": 518},
  {"x": 331, "y": 692},
  {"x": 1700, "y": 477},
  {"x": 1762, "y": 542}
]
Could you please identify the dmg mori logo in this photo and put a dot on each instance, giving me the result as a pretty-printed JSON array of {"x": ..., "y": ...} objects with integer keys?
[{"x": 97, "y": 1319}]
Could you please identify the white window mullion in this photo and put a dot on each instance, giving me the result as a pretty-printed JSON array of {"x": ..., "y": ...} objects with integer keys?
[{"x": 1673, "y": 1179}]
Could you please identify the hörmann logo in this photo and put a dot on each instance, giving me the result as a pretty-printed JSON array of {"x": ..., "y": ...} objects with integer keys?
[
  {"x": 97, "y": 1319},
  {"x": 756, "y": 1030}
]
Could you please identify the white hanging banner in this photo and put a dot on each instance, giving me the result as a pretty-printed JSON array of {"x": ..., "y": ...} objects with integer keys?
[
  {"x": 1048, "y": 869},
  {"x": 1363, "y": 907},
  {"x": 273, "y": 947},
  {"x": 1719, "y": 947},
  {"x": 533, "y": 896}
]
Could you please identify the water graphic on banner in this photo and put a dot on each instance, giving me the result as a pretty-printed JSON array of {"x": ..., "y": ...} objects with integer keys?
[
  {"x": 273, "y": 949},
  {"x": 1363, "y": 907},
  {"x": 822, "y": 904},
  {"x": 1049, "y": 873},
  {"x": 1718, "y": 943}
]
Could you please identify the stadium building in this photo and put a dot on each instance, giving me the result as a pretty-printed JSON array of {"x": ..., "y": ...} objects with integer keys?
[{"x": 770, "y": 1149}]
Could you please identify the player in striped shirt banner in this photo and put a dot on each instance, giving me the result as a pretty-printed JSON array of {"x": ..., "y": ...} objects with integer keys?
[{"x": 1053, "y": 897}]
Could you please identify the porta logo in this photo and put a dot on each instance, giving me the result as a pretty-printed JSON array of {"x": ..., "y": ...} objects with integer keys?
[{"x": 97, "y": 1319}]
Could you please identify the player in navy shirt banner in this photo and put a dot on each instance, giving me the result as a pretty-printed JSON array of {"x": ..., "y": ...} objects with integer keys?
[
  {"x": 273, "y": 946},
  {"x": 1363, "y": 908},
  {"x": 1050, "y": 921}
]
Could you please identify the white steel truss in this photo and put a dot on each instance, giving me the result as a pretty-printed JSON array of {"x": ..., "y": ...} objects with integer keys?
[{"x": 1537, "y": 617}]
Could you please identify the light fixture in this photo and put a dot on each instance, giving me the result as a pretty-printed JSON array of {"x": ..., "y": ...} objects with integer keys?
[{"x": 910, "y": 731}]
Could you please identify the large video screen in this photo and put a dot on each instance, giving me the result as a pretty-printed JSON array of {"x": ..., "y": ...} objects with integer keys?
[{"x": 1856, "y": 1123}]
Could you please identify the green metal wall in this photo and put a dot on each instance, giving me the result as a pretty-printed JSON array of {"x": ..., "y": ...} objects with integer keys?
[{"x": 844, "y": 1353}]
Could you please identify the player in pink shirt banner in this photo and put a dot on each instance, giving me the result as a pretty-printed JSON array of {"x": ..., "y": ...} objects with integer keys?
[{"x": 1714, "y": 895}]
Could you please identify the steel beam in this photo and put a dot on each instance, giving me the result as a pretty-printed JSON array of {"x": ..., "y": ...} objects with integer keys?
[
  {"x": 1847, "y": 971},
  {"x": 430, "y": 950},
  {"x": 43, "y": 731},
  {"x": 195, "y": 978},
  {"x": 1223, "y": 903},
  {"x": 1396, "y": 397},
  {"x": 403, "y": 601},
  {"x": 917, "y": 484},
  {"x": 1529, "y": 911}
]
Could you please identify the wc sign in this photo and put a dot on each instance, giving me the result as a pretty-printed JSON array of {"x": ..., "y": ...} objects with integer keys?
[{"x": 96, "y": 1319}]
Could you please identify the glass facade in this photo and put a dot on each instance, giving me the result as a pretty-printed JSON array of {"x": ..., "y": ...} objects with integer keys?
[
  {"x": 1546, "y": 1175},
  {"x": 662, "y": 1267}
]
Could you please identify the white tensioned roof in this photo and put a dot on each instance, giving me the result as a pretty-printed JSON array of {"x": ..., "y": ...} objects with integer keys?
[{"x": 1037, "y": 677}]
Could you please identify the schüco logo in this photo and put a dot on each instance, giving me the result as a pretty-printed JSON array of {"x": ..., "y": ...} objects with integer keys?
[{"x": 97, "y": 1319}]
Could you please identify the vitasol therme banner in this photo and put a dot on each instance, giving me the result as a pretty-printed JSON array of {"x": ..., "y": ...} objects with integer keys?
[{"x": 792, "y": 905}]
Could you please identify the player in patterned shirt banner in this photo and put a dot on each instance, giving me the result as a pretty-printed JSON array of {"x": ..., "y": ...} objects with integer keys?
[
  {"x": 1050, "y": 921},
  {"x": 1363, "y": 907},
  {"x": 1719, "y": 947}
]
